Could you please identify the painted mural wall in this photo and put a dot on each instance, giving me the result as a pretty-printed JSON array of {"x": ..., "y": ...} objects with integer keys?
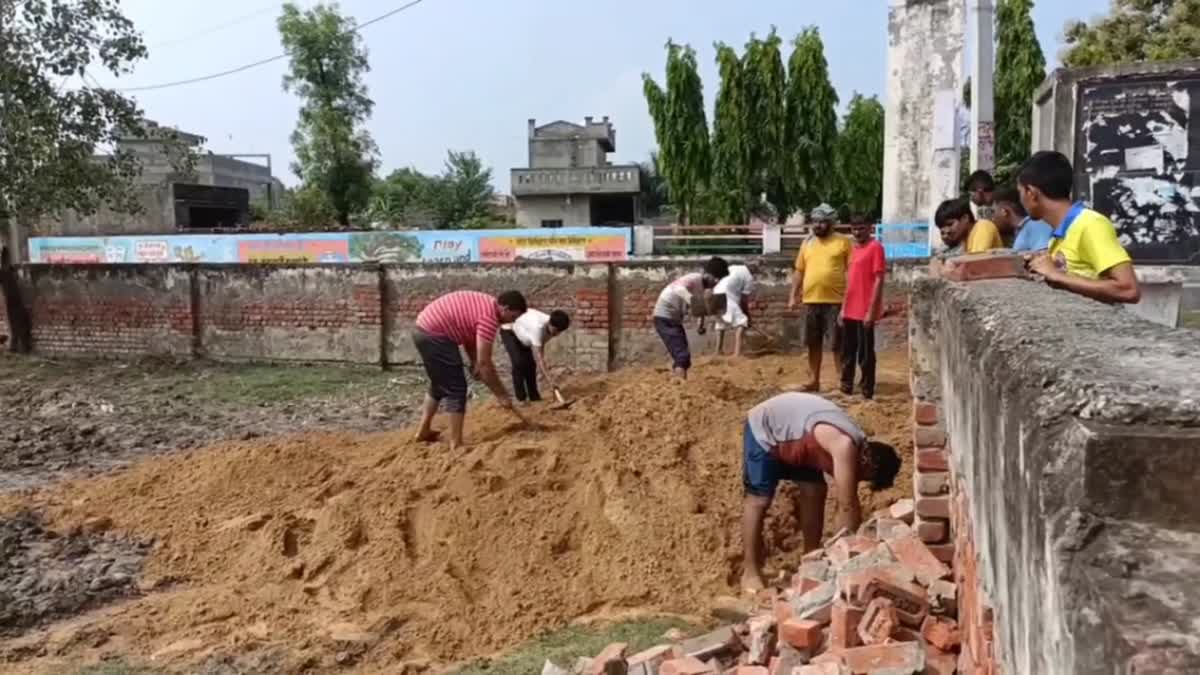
[
  {"x": 1138, "y": 161},
  {"x": 592, "y": 244}
]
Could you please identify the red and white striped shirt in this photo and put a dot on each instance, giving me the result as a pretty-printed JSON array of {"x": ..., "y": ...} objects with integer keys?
[{"x": 467, "y": 317}]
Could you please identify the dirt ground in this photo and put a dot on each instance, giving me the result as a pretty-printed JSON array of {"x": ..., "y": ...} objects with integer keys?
[{"x": 365, "y": 552}]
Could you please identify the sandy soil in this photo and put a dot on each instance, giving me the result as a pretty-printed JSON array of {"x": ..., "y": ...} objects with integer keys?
[{"x": 336, "y": 551}]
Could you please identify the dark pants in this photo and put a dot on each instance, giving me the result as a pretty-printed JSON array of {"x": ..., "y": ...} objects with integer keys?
[
  {"x": 820, "y": 320},
  {"x": 674, "y": 336},
  {"x": 858, "y": 346},
  {"x": 524, "y": 367},
  {"x": 444, "y": 366}
]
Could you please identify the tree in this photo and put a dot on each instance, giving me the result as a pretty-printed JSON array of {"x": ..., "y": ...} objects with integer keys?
[
  {"x": 859, "y": 156},
  {"x": 655, "y": 192},
  {"x": 811, "y": 133},
  {"x": 462, "y": 194},
  {"x": 763, "y": 81},
  {"x": 730, "y": 190},
  {"x": 680, "y": 127},
  {"x": 1136, "y": 30},
  {"x": 1020, "y": 69},
  {"x": 334, "y": 154}
]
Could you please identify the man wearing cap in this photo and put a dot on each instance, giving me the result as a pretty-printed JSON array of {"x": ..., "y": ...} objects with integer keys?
[{"x": 819, "y": 283}]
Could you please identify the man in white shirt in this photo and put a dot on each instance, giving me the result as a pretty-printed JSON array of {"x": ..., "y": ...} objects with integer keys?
[
  {"x": 731, "y": 298},
  {"x": 525, "y": 340}
]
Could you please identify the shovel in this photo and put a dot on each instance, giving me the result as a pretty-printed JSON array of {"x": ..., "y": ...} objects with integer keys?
[{"x": 562, "y": 403}]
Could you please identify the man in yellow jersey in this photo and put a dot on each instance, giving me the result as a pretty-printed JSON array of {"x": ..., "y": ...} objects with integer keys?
[
  {"x": 1085, "y": 256},
  {"x": 821, "y": 275},
  {"x": 961, "y": 232}
]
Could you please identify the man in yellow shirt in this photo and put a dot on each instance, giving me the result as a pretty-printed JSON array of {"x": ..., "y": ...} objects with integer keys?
[
  {"x": 1085, "y": 256},
  {"x": 821, "y": 275},
  {"x": 961, "y": 232}
]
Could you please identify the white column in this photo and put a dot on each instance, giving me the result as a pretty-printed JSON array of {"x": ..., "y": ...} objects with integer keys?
[{"x": 983, "y": 117}]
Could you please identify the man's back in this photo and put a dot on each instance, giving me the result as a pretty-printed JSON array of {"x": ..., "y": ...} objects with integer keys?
[{"x": 461, "y": 316}]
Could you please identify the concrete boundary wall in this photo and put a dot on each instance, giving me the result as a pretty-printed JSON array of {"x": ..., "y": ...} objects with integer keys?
[
  {"x": 1070, "y": 431},
  {"x": 364, "y": 314}
]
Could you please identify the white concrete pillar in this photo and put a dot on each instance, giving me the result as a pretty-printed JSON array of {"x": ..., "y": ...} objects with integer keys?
[
  {"x": 983, "y": 69},
  {"x": 772, "y": 239},
  {"x": 643, "y": 240}
]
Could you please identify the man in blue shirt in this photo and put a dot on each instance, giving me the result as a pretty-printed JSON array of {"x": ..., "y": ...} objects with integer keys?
[{"x": 1010, "y": 217}]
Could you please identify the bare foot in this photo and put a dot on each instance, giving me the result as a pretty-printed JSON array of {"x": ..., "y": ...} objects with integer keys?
[
  {"x": 430, "y": 437},
  {"x": 752, "y": 583}
]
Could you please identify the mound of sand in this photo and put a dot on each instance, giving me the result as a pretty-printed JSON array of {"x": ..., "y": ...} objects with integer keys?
[{"x": 372, "y": 550}]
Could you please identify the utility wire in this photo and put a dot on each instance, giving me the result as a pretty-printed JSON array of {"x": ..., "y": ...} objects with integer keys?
[
  {"x": 213, "y": 29},
  {"x": 262, "y": 62}
]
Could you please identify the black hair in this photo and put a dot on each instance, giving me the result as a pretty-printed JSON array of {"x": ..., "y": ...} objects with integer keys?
[
  {"x": 951, "y": 209},
  {"x": 859, "y": 219},
  {"x": 981, "y": 179},
  {"x": 717, "y": 267},
  {"x": 1050, "y": 172},
  {"x": 560, "y": 320},
  {"x": 513, "y": 300},
  {"x": 1009, "y": 195},
  {"x": 886, "y": 462}
]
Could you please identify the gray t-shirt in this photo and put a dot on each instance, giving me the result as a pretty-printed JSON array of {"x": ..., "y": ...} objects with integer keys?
[
  {"x": 675, "y": 300},
  {"x": 791, "y": 416}
]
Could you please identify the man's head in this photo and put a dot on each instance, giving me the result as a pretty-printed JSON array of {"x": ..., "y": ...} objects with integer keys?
[
  {"x": 1046, "y": 178},
  {"x": 512, "y": 305},
  {"x": 981, "y": 186},
  {"x": 860, "y": 228},
  {"x": 822, "y": 219},
  {"x": 714, "y": 270},
  {"x": 1009, "y": 213},
  {"x": 955, "y": 220},
  {"x": 885, "y": 464},
  {"x": 560, "y": 321}
]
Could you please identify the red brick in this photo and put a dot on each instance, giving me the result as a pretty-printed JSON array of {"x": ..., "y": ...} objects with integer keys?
[
  {"x": 929, "y": 437},
  {"x": 801, "y": 633},
  {"x": 782, "y": 610},
  {"x": 941, "y": 633},
  {"x": 943, "y": 552},
  {"x": 825, "y": 668},
  {"x": 843, "y": 627},
  {"x": 932, "y": 530},
  {"x": 901, "y": 657},
  {"x": 686, "y": 666},
  {"x": 979, "y": 266},
  {"x": 931, "y": 483},
  {"x": 611, "y": 660},
  {"x": 802, "y": 584},
  {"x": 933, "y": 507},
  {"x": 909, "y": 599},
  {"x": 933, "y": 459},
  {"x": 913, "y": 553},
  {"x": 925, "y": 413},
  {"x": 939, "y": 663},
  {"x": 654, "y": 657},
  {"x": 902, "y": 510},
  {"x": 879, "y": 622},
  {"x": 751, "y": 670}
]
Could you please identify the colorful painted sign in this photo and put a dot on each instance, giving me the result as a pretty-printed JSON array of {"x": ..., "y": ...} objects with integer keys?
[{"x": 436, "y": 246}]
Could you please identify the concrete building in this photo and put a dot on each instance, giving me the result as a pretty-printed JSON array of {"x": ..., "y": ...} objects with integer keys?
[
  {"x": 569, "y": 181},
  {"x": 216, "y": 195}
]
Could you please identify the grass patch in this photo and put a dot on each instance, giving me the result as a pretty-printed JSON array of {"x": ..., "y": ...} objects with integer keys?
[
  {"x": 564, "y": 646},
  {"x": 253, "y": 383}
]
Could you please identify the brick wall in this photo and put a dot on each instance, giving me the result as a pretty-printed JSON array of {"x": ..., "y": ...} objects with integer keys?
[{"x": 365, "y": 314}]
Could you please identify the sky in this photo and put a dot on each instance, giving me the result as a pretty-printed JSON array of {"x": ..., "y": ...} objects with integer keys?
[{"x": 468, "y": 74}]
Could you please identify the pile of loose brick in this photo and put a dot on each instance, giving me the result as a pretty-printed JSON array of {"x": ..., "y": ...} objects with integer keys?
[{"x": 875, "y": 602}]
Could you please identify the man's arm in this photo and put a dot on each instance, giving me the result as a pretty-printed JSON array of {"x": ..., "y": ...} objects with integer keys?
[
  {"x": 1116, "y": 285},
  {"x": 797, "y": 284},
  {"x": 539, "y": 357},
  {"x": 876, "y": 307},
  {"x": 485, "y": 369},
  {"x": 845, "y": 474}
]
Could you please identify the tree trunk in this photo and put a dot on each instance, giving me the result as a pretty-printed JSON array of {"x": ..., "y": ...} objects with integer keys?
[{"x": 20, "y": 340}]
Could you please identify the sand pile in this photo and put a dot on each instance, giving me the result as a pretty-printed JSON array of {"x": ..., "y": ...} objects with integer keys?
[{"x": 369, "y": 550}]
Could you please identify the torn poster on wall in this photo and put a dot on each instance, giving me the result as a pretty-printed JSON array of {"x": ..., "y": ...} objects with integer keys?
[{"x": 1138, "y": 161}]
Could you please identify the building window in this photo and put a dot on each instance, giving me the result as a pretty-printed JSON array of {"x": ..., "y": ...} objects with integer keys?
[{"x": 551, "y": 223}]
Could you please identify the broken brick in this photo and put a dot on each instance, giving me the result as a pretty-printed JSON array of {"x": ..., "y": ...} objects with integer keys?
[
  {"x": 825, "y": 668},
  {"x": 686, "y": 666},
  {"x": 843, "y": 627},
  {"x": 815, "y": 604},
  {"x": 788, "y": 661},
  {"x": 886, "y": 528},
  {"x": 876, "y": 557},
  {"x": 931, "y": 483},
  {"x": 903, "y": 510},
  {"x": 801, "y": 634},
  {"x": 762, "y": 640},
  {"x": 925, "y": 413},
  {"x": 902, "y": 657},
  {"x": 912, "y": 552},
  {"x": 938, "y": 662},
  {"x": 943, "y": 598},
  {"x": 879, "y": 622},
  {"x": 933, "y": 459},
  {"x": 941, "y": 633},
  {"x": 751, "y": 670},
  {"x": 929, "y": 437},
  {"x": 943, "y": 552},
  {"x": 802, "y": 584},
  {"x": 610, "y": 661},
  {"x": 908, "y": 598},
  {"x": 932, "y": 530},
  {"x": 710, "y": 644},
  {"x": 653, "y": 657},
  {"x": 782, "y": 610},
  {"x": 933, "y": 507}
]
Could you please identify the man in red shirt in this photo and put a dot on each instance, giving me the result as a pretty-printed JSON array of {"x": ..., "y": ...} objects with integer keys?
[
  {"x": 860, "y": 310},
  {"x": 470, "y": 320}
]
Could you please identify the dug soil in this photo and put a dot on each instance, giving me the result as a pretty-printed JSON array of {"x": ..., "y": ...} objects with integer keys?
[{"x": 370, "y": 553}]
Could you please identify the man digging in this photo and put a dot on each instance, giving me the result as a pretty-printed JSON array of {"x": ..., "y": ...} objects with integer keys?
[
  {"x": 805, "y": 438},
  {"x": 466, "y": 319},
  {"x": 525, "y": 341}
]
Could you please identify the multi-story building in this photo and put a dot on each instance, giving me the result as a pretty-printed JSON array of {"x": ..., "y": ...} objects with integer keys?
[{"x": 569, "y": 181}]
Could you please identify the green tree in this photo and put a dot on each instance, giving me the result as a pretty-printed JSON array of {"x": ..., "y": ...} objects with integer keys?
[
  {"x": 655, "y": 192},
  {"x": 811, "y": 133},
  {"x": 334, "y": 153},
  {"x": 860, "y": 156},
  {"x": 731, "y": 185},
  {"x": 395, "y": 199},
  {"x": 764, "y": 81},
  {"x": 1020, "y": 69},
  {"x": 461, "y": 195},
  {"x": 680, "y": 127},
  {"x": 1136, "y": 30}
]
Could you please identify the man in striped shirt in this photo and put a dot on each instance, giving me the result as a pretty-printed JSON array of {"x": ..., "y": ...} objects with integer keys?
[{"x": 470, "y": 320}]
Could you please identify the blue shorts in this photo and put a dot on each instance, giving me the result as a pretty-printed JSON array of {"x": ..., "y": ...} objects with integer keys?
[{"x": 761, "y": 472}]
